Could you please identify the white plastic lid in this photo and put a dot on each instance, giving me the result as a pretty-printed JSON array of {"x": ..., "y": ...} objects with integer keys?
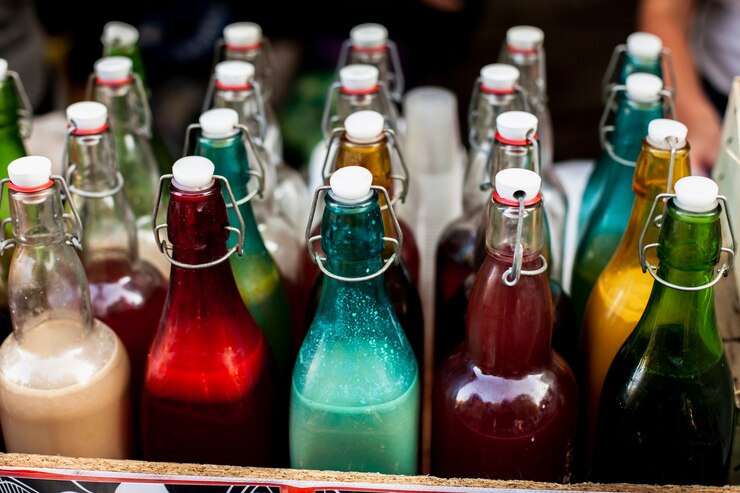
[
  {"x": 119, "y": 33},
  {"x": 368, "y": 35},
  {"x": 234, "y": 72},
  {"x": 364, "y": 126},
  {"x": 219, "y": 123},
  {"x": 30, "y": 171},
  {"x": 515, "y": 125},
  {"x": 358, "y": 77},
  {"x": 643, "y": 88},
  {"x": 513, "y": 180},
  {"x": 644, "y": 46},
  {"x": 3, "y": 68},
  {"x": 351, "y": 184},
  {"x": 524, "y": 37},
  {"x": 499, "y": 76},
  {"x": 242, "y": 34},
  {"x": 87, "y": 115},
  {"x": 662, "y": 128},
  {"x": 113, "y": 68},
  {"x": 696, "y": 194},
  {"x": 193, "y": 172}
]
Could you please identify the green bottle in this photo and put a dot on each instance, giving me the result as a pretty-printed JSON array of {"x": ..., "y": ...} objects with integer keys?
[
  {"x": 255, "y": 272},
  {"x": 667, "y": 406},
  {"x": 355, "y": 397}
]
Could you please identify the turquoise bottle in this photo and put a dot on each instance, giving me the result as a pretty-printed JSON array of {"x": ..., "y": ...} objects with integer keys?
[
  {"x": 604, "y": 229},
  {"x": 642, "y": 54},
  {"x": 255, "y": 272},
  {"x": 355, "y": 397}
]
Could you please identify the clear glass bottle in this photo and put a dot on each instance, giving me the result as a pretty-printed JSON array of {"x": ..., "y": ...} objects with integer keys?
[
  {"x": 667, "y": 407},
  {"x": 355, "y": 398},
  {"x": 209, "y": 383},
  {"x": 64, "y": 375},
  {"x": 505, "y": 403}
]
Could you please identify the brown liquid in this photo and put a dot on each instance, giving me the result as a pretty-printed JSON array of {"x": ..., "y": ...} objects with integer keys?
[{"x": 74, "y": 402}]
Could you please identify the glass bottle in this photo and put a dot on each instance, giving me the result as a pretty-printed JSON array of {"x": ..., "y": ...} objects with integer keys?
[
  {"x": 64, "y": 375},
  {"x": 366, "y": 143},
  {"x": 222, "y": 140},
  {"x": 524, "y": 49},
  {"x": 621, "y": 292},
  {"x": 126, "y": 292},
  {"x": 355, "y": 398},
  {"x": 244, "y": 41},
  {"x": 645, "y": 101},
  {"x": 117, "y": 87},
  {"x": 666, "y": 414},
  {"x": 208, "y": 385},
  {"x": 505, "y": 403}
]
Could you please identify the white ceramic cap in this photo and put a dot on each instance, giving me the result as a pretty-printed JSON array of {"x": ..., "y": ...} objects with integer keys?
[
  {"x": 30, "y": 171},
  {"x": 499, "y": 76},
  {"x": 242, "y": 34},
  {"x": 351, "y": 184},
  {"x": 119, "y": 33},
  {"x": 141, "y": 488},
  {"x": 234, "y": 72},
  {"x": 364, "y": 126},
  {"x": 696, "y": 194},
  {"x": 643, "y": 88},
  {"x": 87, "y": 115},
  {"x": 515, "y": 125},
  {"x": 193, "y": 172},
  {"x": 358, "y": 77},
  {"x": 219, "y": 123},
  {"x": 113, "y": 68},
  {"x": 3, "y": 68},
  {"x": 662, "y": 128},
  {"x": 513, "y": 180},
  {"x": 644, "y": 46},
  {"x": 368, "y": 35},
  {"x": 524, "y": 37}
]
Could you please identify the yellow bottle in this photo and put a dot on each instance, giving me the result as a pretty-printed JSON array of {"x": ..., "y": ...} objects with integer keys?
[{"x": 622, "y": 290}]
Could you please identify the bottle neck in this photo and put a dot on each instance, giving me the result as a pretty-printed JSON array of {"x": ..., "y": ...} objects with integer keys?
[
  {"x": 125, "y": 107},
  {"x": 377, "y": 58},
  {"x": 108, "y": 221},
  {"x": 9, "y": 106},
  {"x": 633, "y": 65},
  {"x": 505, "y": 156},
  {"x": 487, "y": 108},
  {"x": 245, "y": 103},
  {"x": 370, "y": 101},
  {"x": 631, "y": 125},
  {"x": 130, "y": 51},
  {"x": 531, "y": 67}
]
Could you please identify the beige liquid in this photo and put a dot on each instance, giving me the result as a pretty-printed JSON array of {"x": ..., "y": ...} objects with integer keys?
[{"x": 73, "y": 402}]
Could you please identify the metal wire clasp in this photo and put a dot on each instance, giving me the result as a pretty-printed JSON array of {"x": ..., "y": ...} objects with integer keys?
[
  {"x": 319, "y": 259},
  {"x": 607, "y": 82},
  {"x": 71, "y": 169},
  {"x": 265, "y": 47},
  {"x": 473, "y": 137},
  {"x": 73, "y": 236},
  {"x": 511, "y": 276},
  {"x": 165, "y": 247},
  {"x": 331, "y": 119},
  {"x": 25, "y": 111},
  {"x": 333, "y": 148},
  {"x": 721, "y": 272},
  {"x": 395, "y": 76},
  {"x": 488, "y": 179},
  {"x": 258, "y": 152},
  {"x": 605, "y": 130},
  {"x": 256, "y": 88}
]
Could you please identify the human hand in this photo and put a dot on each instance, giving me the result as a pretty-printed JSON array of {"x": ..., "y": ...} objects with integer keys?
[{"x": 704, "y": 136}]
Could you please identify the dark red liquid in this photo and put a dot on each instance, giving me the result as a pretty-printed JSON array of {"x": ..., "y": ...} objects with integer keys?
[{"x": 504, "y": 403}]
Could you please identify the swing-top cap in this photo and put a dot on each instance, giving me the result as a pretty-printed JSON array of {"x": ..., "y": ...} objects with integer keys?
[
  {"x": 193, "y": 172},
  {"x": 3, "y": 68},
  {"x": 368, "y": 35},
  {"x": 524, "y": 37},
  {"x": 351, "y": 184},
  {"x": 87, "y": 115},
  {"x": 119, "y": 33},
  {"x": 643, "y": 88},
  {"x": 696, "y": 194},
  {"x": 364, "y": 126},
  {"x": 30, "y": 171},
  {"x": 243, "y": 34},
  {"x": 234, "y": 72},
  {"x": 662, "y": 128},
  {"x": 499, "y": 76},
  {"x": 644, "y": 46},
  {"x": 513, "y": 180},
  {"x": 358, "y": 77},
  {"x": 113, "y": 68},
  {"x": 219, "y": 123},
  {"x": 516, "y": 125}
]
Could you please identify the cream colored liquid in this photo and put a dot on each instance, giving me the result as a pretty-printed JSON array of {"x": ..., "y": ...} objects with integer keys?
[{"x": 72, "y": 402}]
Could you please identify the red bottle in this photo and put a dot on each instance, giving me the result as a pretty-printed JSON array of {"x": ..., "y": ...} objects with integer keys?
[
  {"x": 208, "y": 387},
  {"x": 504, "y": 403},
  {"x": 127, "y": 293}
]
